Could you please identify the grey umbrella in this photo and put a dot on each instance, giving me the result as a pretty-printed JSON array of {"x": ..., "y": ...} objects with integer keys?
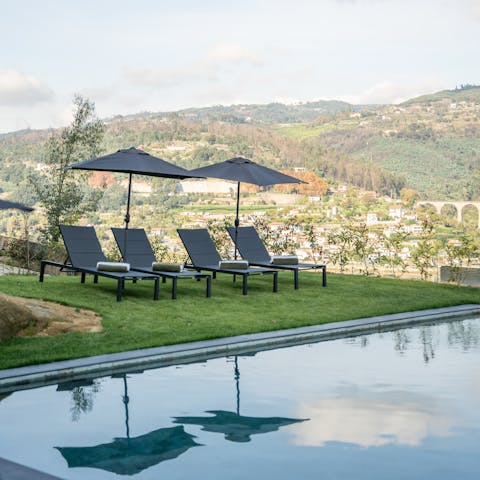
[
  {"x": 241, "y": 169},
  {"x": 133, "y": 161},
  {"x": 4, "y": 204}
]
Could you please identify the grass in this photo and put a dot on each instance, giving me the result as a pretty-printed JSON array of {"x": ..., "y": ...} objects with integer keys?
[{"x": 139, "y": 322}]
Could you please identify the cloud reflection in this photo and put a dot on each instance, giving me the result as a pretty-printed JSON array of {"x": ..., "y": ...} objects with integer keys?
[{"x": 372, "y": 420}]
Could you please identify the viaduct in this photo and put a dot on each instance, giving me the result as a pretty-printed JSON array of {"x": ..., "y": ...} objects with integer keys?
[{"x": 459, "y": 207}]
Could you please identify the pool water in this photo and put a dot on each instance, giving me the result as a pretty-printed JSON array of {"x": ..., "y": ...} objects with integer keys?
[{"x": 396, "y": 405}]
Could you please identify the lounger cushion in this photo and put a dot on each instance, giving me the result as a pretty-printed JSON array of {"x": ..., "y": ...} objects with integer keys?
[
  {"x": 167, "y": 267},
  {"x": 284, "y": 260},
  {"x": 233, "y": 264},
  {"x": 113, "y": 266}
]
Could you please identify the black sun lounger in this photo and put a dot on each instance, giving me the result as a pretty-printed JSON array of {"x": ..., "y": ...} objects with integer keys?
[
  {"x": 252, "y": 249},
  {"x": 204, "y": 256},
  {"x": 84, "y": 251},
  {"x": 139, "y": 254}
]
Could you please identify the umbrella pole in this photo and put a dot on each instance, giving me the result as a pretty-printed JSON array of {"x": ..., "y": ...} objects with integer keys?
[
  {"x": 127, "y": 217},
  {"x": 125, "y": 401},
  {"x": 237, "y": 220},
  {"x": 237, "y": 384}
]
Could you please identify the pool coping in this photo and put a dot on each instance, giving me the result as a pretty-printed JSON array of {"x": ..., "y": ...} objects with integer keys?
[{"x": 124, "y": 362}]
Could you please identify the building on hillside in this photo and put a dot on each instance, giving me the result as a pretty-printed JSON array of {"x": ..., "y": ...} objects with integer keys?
[
  {"x": 208, "y": 186},
  {"x": 396, "y": 211},
  {"x": 372, "y": 218}
]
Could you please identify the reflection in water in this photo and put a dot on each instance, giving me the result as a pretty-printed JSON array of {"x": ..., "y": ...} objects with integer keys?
[
  {"x": 237, "y": 428},
  {"x": 401, "y": 341},
  {"x": 463, "y": 334},
  {"x": 83, "y": 395},
  {"x": 460, "y": 334},
  {"x": 4, "y": 395},
  {"x": 426, "y": 338},
  {"x": 129, "y": 456},
  {"x": 372, "y": 419}
]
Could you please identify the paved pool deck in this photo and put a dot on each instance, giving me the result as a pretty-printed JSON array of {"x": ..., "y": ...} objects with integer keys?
[{"x": 124, "y": 362}]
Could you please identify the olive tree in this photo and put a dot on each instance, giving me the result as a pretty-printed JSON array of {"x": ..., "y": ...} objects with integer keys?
[{"x": 64, "y": 195}]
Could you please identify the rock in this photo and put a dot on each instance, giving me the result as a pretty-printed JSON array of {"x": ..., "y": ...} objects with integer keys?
[
  {"x": 14, "y": 317},
  {"x": 28, "y": 317}
]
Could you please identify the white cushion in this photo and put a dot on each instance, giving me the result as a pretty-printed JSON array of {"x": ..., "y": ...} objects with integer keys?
[{"x": 113, "y": 266}]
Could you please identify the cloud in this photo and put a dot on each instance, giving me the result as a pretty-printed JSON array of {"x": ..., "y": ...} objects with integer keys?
[
  {"x": 232, "y": 54},
  {"x": 372, "y": 421},
  {"x": 220, "y": 59},
  {"x": 17, "y": 89},
  {"x": 389, "y": 92},
  {"x": 475, "y": 8}
]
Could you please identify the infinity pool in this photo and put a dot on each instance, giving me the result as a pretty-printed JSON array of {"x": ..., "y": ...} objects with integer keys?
[{"x": 396, "y": 405}]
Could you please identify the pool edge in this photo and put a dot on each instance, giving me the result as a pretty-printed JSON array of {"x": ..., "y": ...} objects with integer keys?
[{"x": 86, "y": 367}]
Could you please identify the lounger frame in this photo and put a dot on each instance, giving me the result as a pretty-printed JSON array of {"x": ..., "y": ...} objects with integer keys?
[
  {"x": 204, "y": 256},
  {"x": 140, "y": 255},
  {"x": 252, "y": 249},
  {"x": 84, "y": 251}
]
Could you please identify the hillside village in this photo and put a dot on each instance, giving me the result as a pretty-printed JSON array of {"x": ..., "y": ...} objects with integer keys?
[{"x": 365, "y": 166}]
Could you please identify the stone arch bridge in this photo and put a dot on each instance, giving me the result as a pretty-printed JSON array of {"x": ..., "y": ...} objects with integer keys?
[{"x": 459, "y": 207}]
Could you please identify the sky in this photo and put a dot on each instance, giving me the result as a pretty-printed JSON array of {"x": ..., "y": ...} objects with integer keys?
[{"x": 150, "y": 55}]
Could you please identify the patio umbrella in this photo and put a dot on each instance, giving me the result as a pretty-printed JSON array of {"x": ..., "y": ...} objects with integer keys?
[
  {"x": 4, "y": 204},
  {"x": 241, "y": 169},
  {"x": 133, "y": 161},
  {"x": 236, "y": 427}
]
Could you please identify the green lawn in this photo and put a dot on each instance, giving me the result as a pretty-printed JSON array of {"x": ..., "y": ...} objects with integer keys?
[{"x": 139, "y": 322}]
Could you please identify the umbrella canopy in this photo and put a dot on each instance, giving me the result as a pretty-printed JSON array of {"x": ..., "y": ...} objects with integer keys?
[
  {"x": 129, "y": 456},
  {"x": 241, "y": 169},
  {"x": 133, "y": 161},
  {"x": 4, "y": 204}
]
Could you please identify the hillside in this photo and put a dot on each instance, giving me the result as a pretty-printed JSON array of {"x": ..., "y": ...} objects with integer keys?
[
  {"x": 272, "y": 113},
  {"x": 466, "y": 93},
  {"x": 431, "y": 143}
]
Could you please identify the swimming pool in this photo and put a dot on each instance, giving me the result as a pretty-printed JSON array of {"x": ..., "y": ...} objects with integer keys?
[{"x": 397, "y": 405}]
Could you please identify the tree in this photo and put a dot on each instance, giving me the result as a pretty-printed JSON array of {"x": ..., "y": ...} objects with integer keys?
[
  {"x": 424, "y": 254},
  {"x": 409, "y": 196},
  {"x": 65, "y": 195}
]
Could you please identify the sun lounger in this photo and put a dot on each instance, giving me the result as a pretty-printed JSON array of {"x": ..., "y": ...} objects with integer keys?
[
  {"x": 84, "y": 254},
  {"x": 252, "y": 249},
  {"x": 139, "y": 254},
  {"x": 204, "y": 256}
]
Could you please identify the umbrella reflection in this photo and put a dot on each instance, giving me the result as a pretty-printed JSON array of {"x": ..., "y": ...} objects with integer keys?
[
  {"x": 236, "y": 427},
  {"x": 130, "y": 455}
]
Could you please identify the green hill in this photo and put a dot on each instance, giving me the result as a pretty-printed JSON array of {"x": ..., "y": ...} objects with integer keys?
[
  {"x": 430, "y": 143},
  {"x": 465, "y": 93},
  {"x": 272, "y": 113}
]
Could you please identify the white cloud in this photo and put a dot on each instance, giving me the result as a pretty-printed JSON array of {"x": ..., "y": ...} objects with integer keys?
[
  {"x": 218, "y": 60},
  {"x": 475, "y": 8},
  {"x": 18, "y": 89},
  {"x": 371, "y": 422},
  {"x": 232, "y": 54}
]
